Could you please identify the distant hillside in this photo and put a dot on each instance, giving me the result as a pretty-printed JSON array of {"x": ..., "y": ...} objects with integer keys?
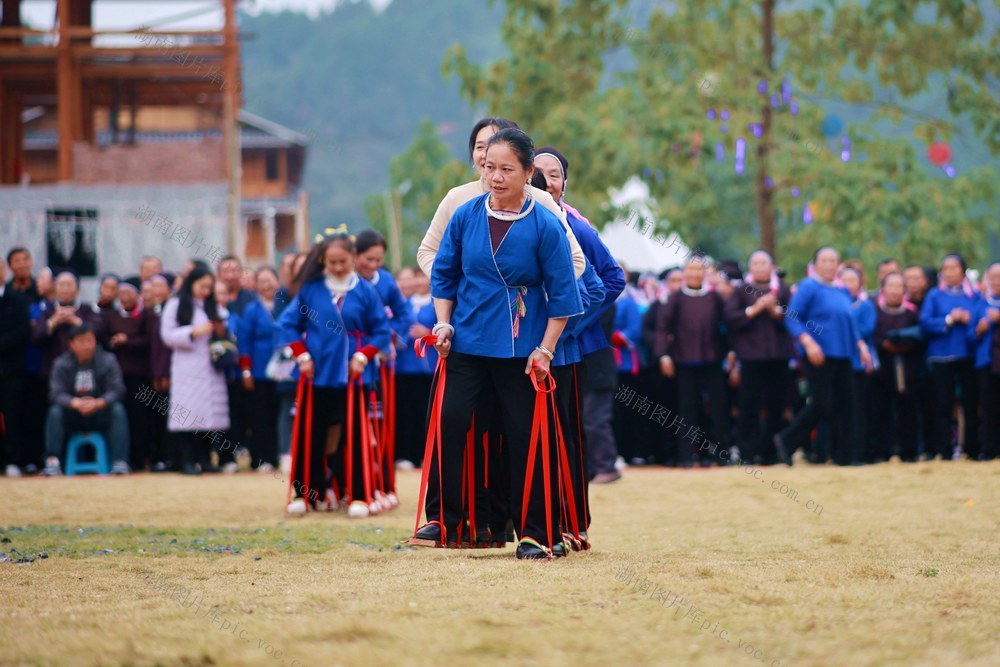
[{"x": 358, "y": 83}]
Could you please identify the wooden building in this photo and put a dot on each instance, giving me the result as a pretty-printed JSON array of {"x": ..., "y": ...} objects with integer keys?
[{"x": 122, "y": 143}]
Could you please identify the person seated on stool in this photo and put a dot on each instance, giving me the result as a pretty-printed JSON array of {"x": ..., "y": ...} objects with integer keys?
[{"x": 86, "y": 391}]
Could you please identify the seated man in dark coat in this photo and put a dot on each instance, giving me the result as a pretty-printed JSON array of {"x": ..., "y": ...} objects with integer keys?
[{"x": 86, "y": 391}]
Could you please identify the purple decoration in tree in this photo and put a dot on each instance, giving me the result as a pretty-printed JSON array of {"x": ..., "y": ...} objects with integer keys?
[
  {"x": 775, "y": 101},
  {"x": 762, "y": 87},
  {"x": 710, "y": 114},
  {"x": 793, "y": 108},
  {"x": 741, "y": 151},
  {"x": 769, "y": 182},
  {"x": 720, "y": 151},
  {"x": 949, "y": 171},
  {"x": 795, "y": 192},
  {"x": 724, "y": 115},
  {"x": 757, "y": 129},
  {"x": 786, "y": 91},
  {"x": 724, "y": 128},
  {"x": 845, "y": 154},
  {"x": 807, "y": 215}
]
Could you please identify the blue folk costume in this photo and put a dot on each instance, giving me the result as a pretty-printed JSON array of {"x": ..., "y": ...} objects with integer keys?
[
  {"x": 500, "y": 297},
  {"x": 257, "y": 338},
  {"x": 312, "y": 323},
  {"x": 400, "y": 317},
  {"x": 505, "y": 287},
  {"x": 951, "y": 359}
]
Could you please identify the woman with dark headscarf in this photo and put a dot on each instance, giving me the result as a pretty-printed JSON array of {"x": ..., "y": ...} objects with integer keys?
[
  {"x": 504, "y": 285},
  {"x": 755, "y": 314}
]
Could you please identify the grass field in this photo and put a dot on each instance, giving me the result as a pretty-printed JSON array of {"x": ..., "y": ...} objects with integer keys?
[{"x": 882, "y": 565}]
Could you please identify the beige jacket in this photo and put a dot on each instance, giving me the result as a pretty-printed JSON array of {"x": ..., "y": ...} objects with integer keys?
[{"x": 465, "y": 193}]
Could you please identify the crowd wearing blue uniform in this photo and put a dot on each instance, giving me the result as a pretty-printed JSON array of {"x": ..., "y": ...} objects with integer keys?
[{"x": 910, "y": 369}]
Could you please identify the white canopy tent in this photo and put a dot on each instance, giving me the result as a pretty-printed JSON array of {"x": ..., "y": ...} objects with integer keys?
[{"x": 633, "y": 239}]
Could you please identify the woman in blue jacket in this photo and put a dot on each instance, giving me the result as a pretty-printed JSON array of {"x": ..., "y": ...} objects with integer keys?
[
  {"x": 945, "y": 319},
  {"x": 504, "y": 286},
  {"x": 820, "y": 319},
  {"x": 985, "y": 336},
  {"x": 256, "y": 337}
]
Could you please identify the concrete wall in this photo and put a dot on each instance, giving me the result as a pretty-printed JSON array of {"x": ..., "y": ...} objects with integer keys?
[{"x": 174, "y": 222}]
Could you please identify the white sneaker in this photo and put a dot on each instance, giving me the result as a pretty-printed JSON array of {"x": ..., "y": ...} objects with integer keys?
[
  {"x": 52, "y": 468},
  {"x": 285, "y": 464},
  {"x": 12, "y": 471},
  {"x": 358, "y": 510},
  {"x": 393, "y": 500},
  {"x": 620, "y": 463},
  {"x": 374, "y": 508},
  {"x": 296, "y": 508},
  {"x": 403, "y": 464},
  {"x": 265, "y": 468},
  {"x": 230, "y": 468},
  {"x": 120, "y": 468}
]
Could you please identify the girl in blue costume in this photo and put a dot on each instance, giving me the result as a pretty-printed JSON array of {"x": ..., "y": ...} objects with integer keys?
[
  {"x": 986, "y": 338},
  {"x": 945, "y": 319},
  {"x": 371, "y": 249},
  {"x": 822, "y": 308},
  {"x": 368, "y": 333},
  {"x": 313, "y": 329},
  {"x": 504, "y": 286}
]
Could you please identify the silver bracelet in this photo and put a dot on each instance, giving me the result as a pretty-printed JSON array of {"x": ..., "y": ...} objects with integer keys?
[
  {"x": 544, "y": 350},
  {"x": 441, "y": 325},
  {"x": 304, "y": 357}
]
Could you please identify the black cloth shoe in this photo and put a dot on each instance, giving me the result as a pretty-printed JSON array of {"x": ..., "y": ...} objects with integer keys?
[{"x": 529, "y": 549}]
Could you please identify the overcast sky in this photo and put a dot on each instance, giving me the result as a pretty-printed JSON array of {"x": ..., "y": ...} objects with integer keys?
[{"x": 177, "y": 14}]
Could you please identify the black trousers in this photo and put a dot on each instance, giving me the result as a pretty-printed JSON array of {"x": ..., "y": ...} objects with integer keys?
[
  {"x": 338, "y": 460},
  {"x": 831, "y": 398},
  {"x": 263, "y": 443},
  {"x": 240, "y": 409},
  {"x": 693, "y": 382},
  {"x": 859, "y": 415},
  {"x": 412, "y": 395},
  {"x": 492, "y": 479},
  {"x": 597, "y": 381},
  {"x": 36, "y": 406},
  {"x": 951, "y": 378},
  {"x": 568, "y": 407},
  {"x": 328, "y": 409},
  {"x": 140, "y": 422},
  {"x": 893, "y": 419},
  {"x": 467, "y": 377},
  {"x": 662, "y": 442},
  {"x": 989, "y": 397},
  {"x": 763, "y": 384},
  {"x": 11, "y": 405},
  {"x": 629, "y": 425}
]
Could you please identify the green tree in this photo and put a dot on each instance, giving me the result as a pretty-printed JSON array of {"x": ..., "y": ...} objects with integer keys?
[
  {"x": 871, "y": 62},
  {"x": 418, "y": 179}
]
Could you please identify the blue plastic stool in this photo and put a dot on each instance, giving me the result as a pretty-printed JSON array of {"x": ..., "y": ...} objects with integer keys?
[{"x": 100, "y": 463}]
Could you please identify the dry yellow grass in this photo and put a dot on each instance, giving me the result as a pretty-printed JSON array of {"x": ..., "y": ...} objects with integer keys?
[{"x": 900, "y": 567}]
